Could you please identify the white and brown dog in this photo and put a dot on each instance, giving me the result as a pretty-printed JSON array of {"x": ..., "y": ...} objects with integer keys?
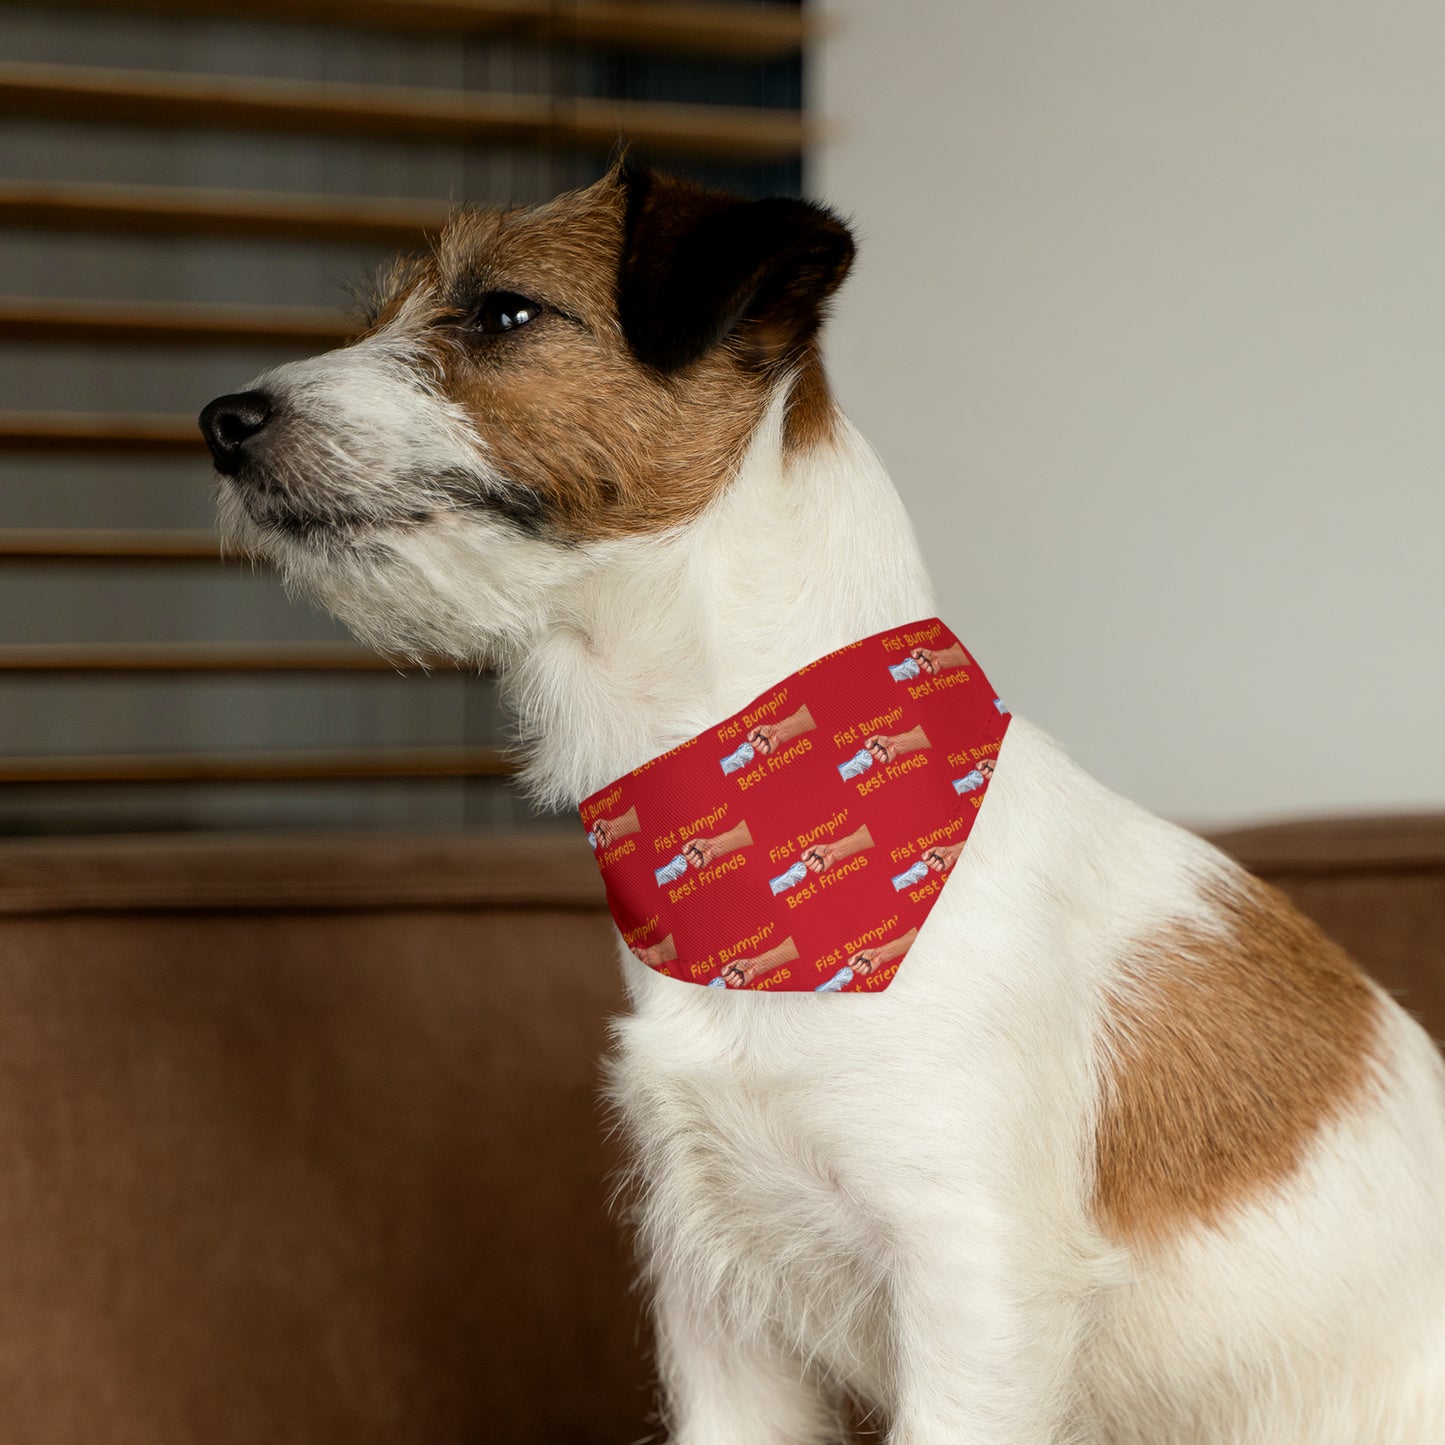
[{"x": 1129, "y": 1153}]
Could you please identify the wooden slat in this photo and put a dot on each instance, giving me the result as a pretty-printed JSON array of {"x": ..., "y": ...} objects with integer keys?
[
  {"x": 219, "y": 102},
  {"x": 710, "y": 29},
  {"x": 755, "y": 32},
  {"x": 258, "y": 767},
  {"x": 75, "y": 544},
  {"x": 78, "y": 431},
  {"x": 132, "y": 657},
  {"x": 130, "y": 873},
  {"x": 177, "y": 211},
  {"x": 171, "y": 323}
]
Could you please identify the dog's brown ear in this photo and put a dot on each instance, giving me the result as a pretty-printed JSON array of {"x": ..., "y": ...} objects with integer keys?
[{"x": 699, "y": 266}]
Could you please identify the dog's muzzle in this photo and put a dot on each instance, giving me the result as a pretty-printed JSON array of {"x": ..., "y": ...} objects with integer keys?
[{"x": 230, "y": 422}]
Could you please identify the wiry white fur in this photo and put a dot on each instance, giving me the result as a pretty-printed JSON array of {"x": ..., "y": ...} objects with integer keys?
[
  {"x": 365, "y": 431},
  {"x": 890, "y": 1194}
]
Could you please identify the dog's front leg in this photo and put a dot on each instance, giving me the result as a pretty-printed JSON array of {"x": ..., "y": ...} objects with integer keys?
[
  {"x": 985, "y": 1348},
  {"x": 723, "y": 1388}
]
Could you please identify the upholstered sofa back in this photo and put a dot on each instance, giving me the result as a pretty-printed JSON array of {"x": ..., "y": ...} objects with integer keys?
[{"x": 302, "y": 1139}]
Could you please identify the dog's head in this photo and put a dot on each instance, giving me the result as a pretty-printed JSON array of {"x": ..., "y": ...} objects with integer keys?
[{"x": 562, "y": 377}]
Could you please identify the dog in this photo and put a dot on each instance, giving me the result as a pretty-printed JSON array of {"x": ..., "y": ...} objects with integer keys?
[{"x": 1128, "y": 1152}]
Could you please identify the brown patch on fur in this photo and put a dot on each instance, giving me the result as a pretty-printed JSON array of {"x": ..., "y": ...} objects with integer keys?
[
  {"x": 381, "y": 301},
  {"x": 1226, "y": 1055},
  {"x": 607, "y": 447},
  {"x": 597, "y": 443},
  {"x": 812, "y": 417}
]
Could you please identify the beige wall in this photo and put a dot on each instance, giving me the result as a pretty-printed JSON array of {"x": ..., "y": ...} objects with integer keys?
[{"x": 1149, "y": 323}]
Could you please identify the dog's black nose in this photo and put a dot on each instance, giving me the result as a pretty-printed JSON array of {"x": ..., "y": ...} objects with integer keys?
[{"x": 229, "y": 422}]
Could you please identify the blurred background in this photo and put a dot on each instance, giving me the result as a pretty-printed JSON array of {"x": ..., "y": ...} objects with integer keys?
[
  {"x": 1147, "y": 313},
  {"x": 1149, "y": 323},
  {"x": 187, "y": 191},
  {"x": 301, "y": 1006}
]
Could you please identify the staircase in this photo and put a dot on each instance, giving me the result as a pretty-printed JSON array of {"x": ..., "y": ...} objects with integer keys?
[{"x": 186, "y": 186}]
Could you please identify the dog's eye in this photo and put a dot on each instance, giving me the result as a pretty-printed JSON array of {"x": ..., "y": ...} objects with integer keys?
[{"x": 504, "y": 311}]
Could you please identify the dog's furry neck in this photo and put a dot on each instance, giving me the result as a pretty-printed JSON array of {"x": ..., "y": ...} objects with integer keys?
[{"x": 656, "y": 638}]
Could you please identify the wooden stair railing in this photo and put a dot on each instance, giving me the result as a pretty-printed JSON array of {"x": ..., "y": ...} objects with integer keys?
[
  {"x": 170, "y": 323},
  {"x": 99, "y": 544},
  {"x": 194, "y": 657},
  {"x": 84, "y": 431},
  {"x": 221, "y": 102},
  {"x": 289, "y": 765},
  {"x": 720, "y": 30},
  {"x": 179, "y": 211}
]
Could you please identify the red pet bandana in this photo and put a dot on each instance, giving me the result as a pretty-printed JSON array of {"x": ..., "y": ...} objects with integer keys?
[{"x": 799, "y": 845}]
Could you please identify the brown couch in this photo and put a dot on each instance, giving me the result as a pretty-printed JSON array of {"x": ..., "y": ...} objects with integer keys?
[{"x": 302, "y": 1143}]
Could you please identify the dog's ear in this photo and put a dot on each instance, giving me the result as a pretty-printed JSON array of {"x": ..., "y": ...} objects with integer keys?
[{"x": 699, "y": 266}]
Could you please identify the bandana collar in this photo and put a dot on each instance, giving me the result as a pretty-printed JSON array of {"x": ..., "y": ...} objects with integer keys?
[{"x": 799, "y": 845}]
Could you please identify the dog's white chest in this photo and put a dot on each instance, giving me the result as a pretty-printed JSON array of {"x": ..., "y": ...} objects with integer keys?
[{"x": 760, "y": 1203}]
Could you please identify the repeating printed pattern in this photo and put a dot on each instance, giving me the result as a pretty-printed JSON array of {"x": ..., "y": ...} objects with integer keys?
[{"x": 799, "y": 845}]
